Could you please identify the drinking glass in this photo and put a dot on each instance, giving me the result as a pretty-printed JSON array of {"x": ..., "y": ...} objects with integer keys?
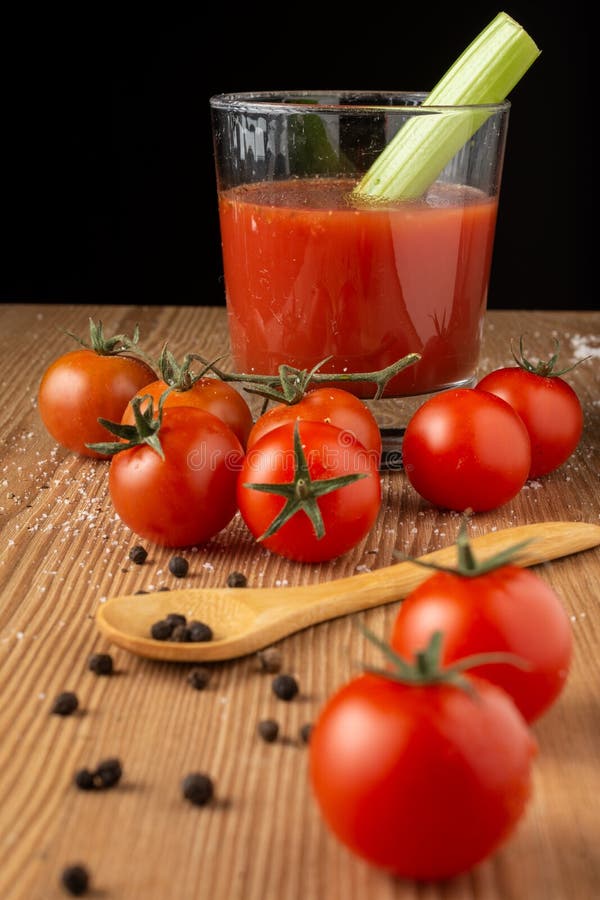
[{"x": 314, "y": 272}]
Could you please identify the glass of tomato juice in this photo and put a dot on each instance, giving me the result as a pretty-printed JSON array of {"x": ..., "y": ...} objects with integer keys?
[{"x": 311, "y": 272}]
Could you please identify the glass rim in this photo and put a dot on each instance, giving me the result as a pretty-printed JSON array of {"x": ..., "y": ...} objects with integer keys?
[{"x": 299, "y": 102}]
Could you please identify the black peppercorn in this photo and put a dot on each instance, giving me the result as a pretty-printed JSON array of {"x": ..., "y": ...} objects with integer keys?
[
  {"x": 285, "y": 687},
  {"x": 181, "y": 634},
  {"x": 199, "y": 677},
  {"x": 236, "y": 580},
  {"x": 75, "y": 880},
  {"x": 198, "y": 788},
  {"x": 200, "y": 631},
  {"x": 84, "y": 779},
  {"x": 138, "y": 555},
  {"x": 108, "y": 773},
  {"x": 161, "y": 630},
  {"x": 176, "y": 619},
  {"x": 269, "y": 659},
  {"x": 178, "y": 566},
  {"x": 268, "y": 730},
  {"x": 65, "y": 704},
  {"x": 305, "y": 732},
  {"x": 101, "y": 664}
]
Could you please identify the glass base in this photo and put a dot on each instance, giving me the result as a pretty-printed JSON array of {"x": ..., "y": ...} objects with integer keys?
[{"x": 391, "y": 449}]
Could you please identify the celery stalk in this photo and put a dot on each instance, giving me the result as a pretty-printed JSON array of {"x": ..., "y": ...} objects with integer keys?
[{"x": 484, "y": 73}]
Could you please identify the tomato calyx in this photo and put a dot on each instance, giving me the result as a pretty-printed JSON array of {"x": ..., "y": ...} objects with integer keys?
[
  {"x": 467, "y": 565},
  {"x": 290, "y": 384},
  {"x": 145, "y": 430},
  {"x": 543, "y": 368},
  {"x": 427, "y": 668},
  {"x": 302, "y": 493},
  {"x": 179, "y": 376},
  {"x": 110, "y": 346}
]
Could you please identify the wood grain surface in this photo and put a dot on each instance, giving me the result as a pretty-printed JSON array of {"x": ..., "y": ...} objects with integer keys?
[{"x": 63, "y": 552}]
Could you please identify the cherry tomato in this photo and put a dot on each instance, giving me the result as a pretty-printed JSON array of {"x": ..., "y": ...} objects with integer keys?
[
  {"x": 548, "y": 406},
  {"x": 330, "y": 405},
  {"x": 424, "y": 781},
  {"x": 187, "y": 497},
  {"x": 466, "y": 449},
  {"x": 211, "y": 394},
  {"x": 509, "y": 610},
  {"x": 348, "y": 513},
  {"x": 81, "y": 386}
]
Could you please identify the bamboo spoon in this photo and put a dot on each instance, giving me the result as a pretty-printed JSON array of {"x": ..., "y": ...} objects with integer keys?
[{"x": 244, "y": 620}]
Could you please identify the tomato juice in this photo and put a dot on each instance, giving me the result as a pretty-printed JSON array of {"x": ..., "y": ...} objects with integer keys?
[{"x": 310, "y": 273}]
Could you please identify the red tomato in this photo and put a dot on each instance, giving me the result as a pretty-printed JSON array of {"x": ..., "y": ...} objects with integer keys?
[
  {"x": 330, "y": 405},
  {"x": 508, "y": 610},
  {"x": 348, "y": 513},
  {"x": 82, "y": 386},
  {"x": 421, "y": 781},
  {"x": 548, "y": 406},
  {"x": 189, "y": 496},
  {"x": 211, "y": 394},
  {"x": 466, "y": 449}
]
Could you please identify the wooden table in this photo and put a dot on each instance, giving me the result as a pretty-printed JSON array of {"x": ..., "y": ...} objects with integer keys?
[{"x": 63, "y": 552}]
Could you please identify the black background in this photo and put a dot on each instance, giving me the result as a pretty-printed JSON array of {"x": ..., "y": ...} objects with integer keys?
[{"x": 108, "y": 185}]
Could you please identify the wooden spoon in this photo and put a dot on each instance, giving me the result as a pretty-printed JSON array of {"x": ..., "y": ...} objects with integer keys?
[{"x": 244, "y": 620}]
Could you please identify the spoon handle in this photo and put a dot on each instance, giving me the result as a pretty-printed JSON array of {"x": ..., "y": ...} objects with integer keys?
[{"x": 317, "y": 603}]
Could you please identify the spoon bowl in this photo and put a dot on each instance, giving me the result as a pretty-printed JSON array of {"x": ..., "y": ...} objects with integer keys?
[{"x": 244, "y": 620}]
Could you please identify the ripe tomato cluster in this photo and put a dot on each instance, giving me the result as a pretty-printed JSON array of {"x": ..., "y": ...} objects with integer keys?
[
  {"x": 424, "y": 768},
  {"x": 186, "y": 454},
  {"x": 476, "y": 448},
  {"x": 304, "y": 476}
]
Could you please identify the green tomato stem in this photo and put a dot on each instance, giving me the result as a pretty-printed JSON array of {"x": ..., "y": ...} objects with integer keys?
[{"x": 290, "y": 385}]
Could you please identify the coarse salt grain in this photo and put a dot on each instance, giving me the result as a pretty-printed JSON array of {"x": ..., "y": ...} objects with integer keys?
[{"x": 582, "y": 348}]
